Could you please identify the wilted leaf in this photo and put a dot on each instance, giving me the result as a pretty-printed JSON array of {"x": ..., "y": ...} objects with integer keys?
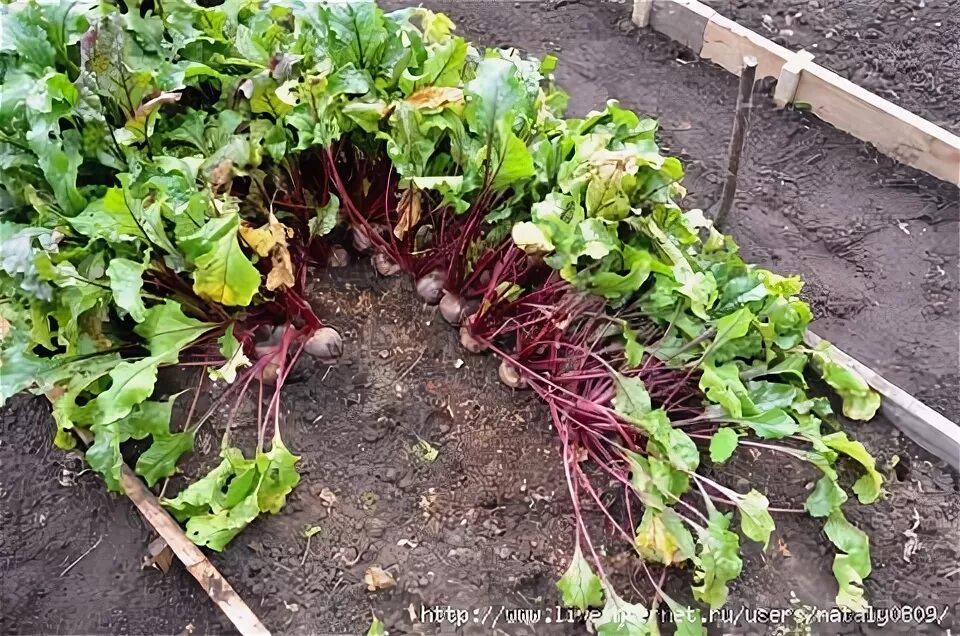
[
  {"x": 280, "y": 275},
  {"x": 852, "y": 563},
  {"x": 826, "y": 497},
  {"x": 620, "y": 618},
  {"x": 867, "y": 487},
  {"x": 278, "y": 476},
  {"x": 718, "y": 560},
  {"x": 860, "y": 402},
  {"x": 409, "y": 210}
]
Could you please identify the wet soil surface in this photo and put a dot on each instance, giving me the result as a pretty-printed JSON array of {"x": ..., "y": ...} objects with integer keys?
[
  {"x": 483, "y": 524},
  {"x": 486, "y": 523},
  {"x": 907, "y": 51}
]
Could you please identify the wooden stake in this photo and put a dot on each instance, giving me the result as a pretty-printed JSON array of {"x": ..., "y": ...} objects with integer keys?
[
  {"x": 197, "y": 564},
  {"x": 737, "y": 138},
  {"x": 641, "y": 12}
]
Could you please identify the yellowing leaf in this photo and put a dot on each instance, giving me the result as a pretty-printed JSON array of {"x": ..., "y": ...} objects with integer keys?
[
  {"x": 431, "y": 97},
  {"x": 263, "y": 239},
  {"x": 409, "y": 209},
  {"x": 530, "y": 238},
  {"x": 223, "y": 272},
  {"x": 663, "y": 538},
  {"x": 234, "y": 357},
  {"x": 270, "y": 240}
]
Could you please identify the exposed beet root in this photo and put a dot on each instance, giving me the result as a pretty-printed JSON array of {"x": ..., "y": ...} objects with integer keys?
[
  {"x": 430, "y": 286},
  {"x": 451, "y": 309},
  {"x": 339, "y": 257},
  {"x": 384, "y": 265},
  {"x": 455, "y": 310},
  {"x": 469, "y": 343},
  {"x": 510, "y": 376},
  {"x": 326, "y": 345}
]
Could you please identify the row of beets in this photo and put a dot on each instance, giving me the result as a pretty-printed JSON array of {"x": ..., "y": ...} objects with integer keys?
[{"x": 561, "y": 342}]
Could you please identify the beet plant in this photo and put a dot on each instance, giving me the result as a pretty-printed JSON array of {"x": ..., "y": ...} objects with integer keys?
[{"x": 171, "y": 172}]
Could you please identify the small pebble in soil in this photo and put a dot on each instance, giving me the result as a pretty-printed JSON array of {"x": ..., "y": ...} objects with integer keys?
[
  {"x": 464, "y": 553},
  {"x": 373, "y": 433},
  {"x": 375, "y": 527}
]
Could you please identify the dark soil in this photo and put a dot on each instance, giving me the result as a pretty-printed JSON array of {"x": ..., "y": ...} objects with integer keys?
[
  {"x": 907, "y": 51},
  {"x": 486, "y": 523}
]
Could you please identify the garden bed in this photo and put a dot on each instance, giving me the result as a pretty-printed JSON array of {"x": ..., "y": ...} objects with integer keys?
[
  {"x": 822, "y": 207},
  {"x": 486, "y": 523},
  {"x": 905, "y": 52}
]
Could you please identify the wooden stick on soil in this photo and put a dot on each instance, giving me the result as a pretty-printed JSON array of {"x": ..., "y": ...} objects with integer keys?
[
  {"x": 737, "y": 138},
  {"x": 210, "y": 579}
]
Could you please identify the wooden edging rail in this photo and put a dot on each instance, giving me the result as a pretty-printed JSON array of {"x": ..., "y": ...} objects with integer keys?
[
  {"x": 213, "y": 583},
  {"x": 894, "y": 131}
]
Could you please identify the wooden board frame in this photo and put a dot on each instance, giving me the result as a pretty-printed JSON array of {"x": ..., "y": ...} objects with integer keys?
[{"x": 894, "y": 131}]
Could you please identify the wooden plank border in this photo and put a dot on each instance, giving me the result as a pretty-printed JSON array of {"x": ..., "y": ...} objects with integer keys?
[
  {"x": 894, "y": 131},
  {"x": 213, "y": 583}
]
